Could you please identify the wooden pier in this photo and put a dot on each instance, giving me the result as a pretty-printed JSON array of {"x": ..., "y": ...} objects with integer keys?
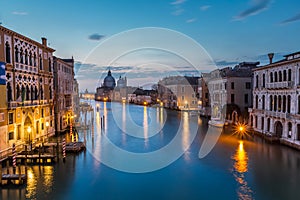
[
  {"x": 79, "y": 146},
  {"x": 16, "y": 178}
]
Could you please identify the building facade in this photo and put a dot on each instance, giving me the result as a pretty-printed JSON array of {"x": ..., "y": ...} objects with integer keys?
[
  {"x": 26, "y": 114},
  {"x": 276, "y": 99},
  {"x": 230, "y": 92},
  {"x": 179, "y": 92},
  {"x": 64, "y": 91}
]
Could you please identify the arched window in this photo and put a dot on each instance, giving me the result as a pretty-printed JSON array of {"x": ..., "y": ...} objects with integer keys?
[
  {"x": 27, "y": 93},
  {"x": 268, "y": 124},
  {"x": 275, "y": 103},
  {"x": 299, "y": 104},
  {"x": 289, "y": 104},
  {"x": 284, "y": 75},
  {"x": 34, "y": 59},
  {"x": 284, "y": 104},
  {"x": 50, "y": 92},
  {"x": 280, "y": 76},
  {"x": 36, "y": 93},
  {"x": 271, "y": 77},
  {"x": 279, "y": 104},
  {"x": 23, "y": 93},
  {"x": 276, "y": 77},
  {"x": 16, "y": 54},
  {"x": 7, "y": 52},
  {"x": 50, "y": 65},
  {"x": 26, "y": 57},
  {"x": 289, "y": 75},
  {"x": 290, "y": 129},
  {"x": 264, "y": 80},
  {"x": 32, "y": 93},
  {"x": 30, "y": 58},
  {"x": 262, "y": 123},
  {"x": 18, "y": 91},
  {"x": 41, "y": 93},
  {"x": 271, "y": 103},
  {"x": 256, "y": 101},
  {"x": 21, "y": 56},
  {"x": 9, "y": 92},
  {"x": 263, "y": 102},
  {"x": 41, "y": 62},
  {"x": 256, "y": 86}
]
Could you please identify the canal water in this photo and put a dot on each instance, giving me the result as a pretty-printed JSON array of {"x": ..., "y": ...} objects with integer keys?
[{"x": 142, "y": 152}]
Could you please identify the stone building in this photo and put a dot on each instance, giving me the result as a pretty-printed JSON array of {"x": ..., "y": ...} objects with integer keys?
[
  {"x": 63, "y": 79},
  {"x": 276, "y": 99},
  {"x": 105, "y": 91},
  {"x": 230, "y": 91},
  {"x": 26, "y": 105},
  {"x": 179, "y": 92}
]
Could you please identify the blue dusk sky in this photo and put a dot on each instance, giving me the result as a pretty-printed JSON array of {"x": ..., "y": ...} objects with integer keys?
[{"x": 187, "y": 36}]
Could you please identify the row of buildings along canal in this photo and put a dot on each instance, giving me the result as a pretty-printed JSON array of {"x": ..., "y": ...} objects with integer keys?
[{"x": 39, "y": 95}]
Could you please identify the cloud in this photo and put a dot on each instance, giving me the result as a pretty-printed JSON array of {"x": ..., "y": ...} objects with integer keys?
[
  {"x": 96, "y": 37},
  {"x": 205, "y": 7},
  {"x": 257, "y": 7},
  {"x": 19, "y": 13},
  {"x": 191, "y": 20},
  {"x": 292, "y": 19},
  {"x": 178, "y": 12},
  {"x": 176, "y": 5},
  {"x": 178, "y": 2}
]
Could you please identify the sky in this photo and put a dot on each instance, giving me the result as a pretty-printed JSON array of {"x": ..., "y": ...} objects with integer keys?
[{"x": 148, "y": 40}]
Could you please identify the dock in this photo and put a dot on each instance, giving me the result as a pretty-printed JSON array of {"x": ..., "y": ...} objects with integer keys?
[
  {"x": 35, "y": 158},
  {"x": 79, "y": 146}
]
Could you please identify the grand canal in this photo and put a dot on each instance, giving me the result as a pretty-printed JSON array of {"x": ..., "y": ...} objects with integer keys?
[{"x": 234, "y": 169}]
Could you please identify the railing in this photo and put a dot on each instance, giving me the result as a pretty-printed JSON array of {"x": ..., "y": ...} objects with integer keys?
[
  {"x": 14, "y": 104},
  {"x": 8, "y": 151},
  {"x": 276, "y": 114},
  {"x": 25, "y": 67},
  {"x": 285, "y": 84}
]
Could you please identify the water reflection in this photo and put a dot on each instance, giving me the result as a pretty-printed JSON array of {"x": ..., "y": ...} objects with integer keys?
[
  {"x": 31, "y": 183},
  {"x": 186, "y": 135},
  {"x": 240, "y": 168},
  {"x": 145, "y": 125},
  {"x": 39, "y": 175}
]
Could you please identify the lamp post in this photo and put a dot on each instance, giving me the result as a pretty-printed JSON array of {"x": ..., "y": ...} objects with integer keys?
[{"x": 29, "y": 133}]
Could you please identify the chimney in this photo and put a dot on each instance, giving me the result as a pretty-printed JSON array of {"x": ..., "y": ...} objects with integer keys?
[
  {"x": 44, "y": 41},
  {"x": 271, "y": 55}
]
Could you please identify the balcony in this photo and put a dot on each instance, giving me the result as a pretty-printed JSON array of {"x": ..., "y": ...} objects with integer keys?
[
  {"x": 276, "y": 114},
  {"x": 15, "y": 104},
  {"x": 280, "y": 85}
]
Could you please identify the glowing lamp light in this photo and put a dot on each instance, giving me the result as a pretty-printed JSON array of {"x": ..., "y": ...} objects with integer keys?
[
  {"x": 29, "y": 129},
  {"x": 47, "y": 124},
  {"x": 145, "y": 103}
]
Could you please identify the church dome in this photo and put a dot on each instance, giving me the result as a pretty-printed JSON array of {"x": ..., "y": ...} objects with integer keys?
[{"x": 109, "y": 81}]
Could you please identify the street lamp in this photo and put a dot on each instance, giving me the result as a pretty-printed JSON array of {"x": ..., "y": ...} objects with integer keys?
[{"x": 29, "y": 131}]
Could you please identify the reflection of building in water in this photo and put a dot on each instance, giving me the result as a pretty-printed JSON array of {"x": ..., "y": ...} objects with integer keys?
[{"x": 240, "y": 167}]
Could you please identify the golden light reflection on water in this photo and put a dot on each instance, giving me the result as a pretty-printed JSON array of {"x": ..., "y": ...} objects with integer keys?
[
  {"x": 48, "y": 178},
  {"x": 123, "y": 123},
  {"x": 145, "y": 125},
  {"x": 31, "y": 184},
  {"x": 240, "y": 168},
  {"x": 186, "y": 135},
  {"x": 241, "y": 159},
  {"x": 37, "y": 175}
]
